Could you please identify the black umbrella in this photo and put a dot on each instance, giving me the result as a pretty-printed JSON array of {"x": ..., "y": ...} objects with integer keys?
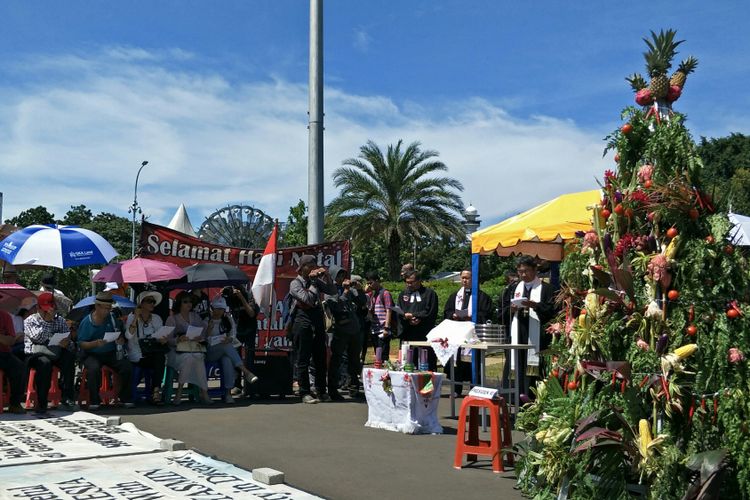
[{"x": 211, "y": 275}]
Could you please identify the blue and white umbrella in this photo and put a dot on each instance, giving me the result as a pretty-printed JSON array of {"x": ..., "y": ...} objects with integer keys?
[{"x": 56, "y": 246}]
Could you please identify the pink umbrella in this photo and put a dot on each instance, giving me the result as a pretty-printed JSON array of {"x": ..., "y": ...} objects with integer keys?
[
  {"x": 11, "y": 296},
  {"x": 139, "y": 270}
]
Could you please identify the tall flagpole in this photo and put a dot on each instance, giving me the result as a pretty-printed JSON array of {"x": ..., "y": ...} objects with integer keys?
[{"x": 315, "y": 127}]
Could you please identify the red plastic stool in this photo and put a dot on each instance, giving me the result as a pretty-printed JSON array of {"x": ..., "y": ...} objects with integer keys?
[
  {"x": 107, "y": 391},
  {"x": 54, "y": 396},
  {"x": 500, "y": 436}
]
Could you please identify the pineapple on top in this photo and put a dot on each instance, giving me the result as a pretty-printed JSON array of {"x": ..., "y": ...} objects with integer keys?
[{"x": 662, "y": 49}]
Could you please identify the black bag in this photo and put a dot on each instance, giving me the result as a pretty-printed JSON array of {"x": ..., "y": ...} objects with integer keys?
[
  {"x": 152, "y": 346},
  {"x": 274, "y": 371}
]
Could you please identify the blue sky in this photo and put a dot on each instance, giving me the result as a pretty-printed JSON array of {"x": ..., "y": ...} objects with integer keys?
[{"x": 515, "y": 96}]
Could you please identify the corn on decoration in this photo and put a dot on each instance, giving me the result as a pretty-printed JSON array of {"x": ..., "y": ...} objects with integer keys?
[
  {"x": 648, "y": 448},
  {"x": 673, "y": 360}
]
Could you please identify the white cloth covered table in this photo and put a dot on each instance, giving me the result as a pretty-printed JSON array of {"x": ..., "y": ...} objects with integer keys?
[{"x": 406, "y": 407}]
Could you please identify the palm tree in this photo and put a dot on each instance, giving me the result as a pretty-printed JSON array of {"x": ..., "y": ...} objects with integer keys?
[{"x": 394, "y": 196}]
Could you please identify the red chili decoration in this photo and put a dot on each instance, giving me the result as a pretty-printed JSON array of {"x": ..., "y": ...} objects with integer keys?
[
  {"x": 643, "y": 382},
  {"x": 622, "y": 387},
  {"x": 716, "y": 408},
  {"x": 691, "y": 313},
  {"x": 565, "y": 383},
  {"x": 703, "y": 407},
  {"x": 664, "y": 386},
  {"x": 614, "y": 378},
  {"x": 692, "y": 410}
]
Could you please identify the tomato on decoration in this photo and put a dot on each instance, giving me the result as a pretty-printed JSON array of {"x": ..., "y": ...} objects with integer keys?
[
  {"x": 694, "y": 213},
  {"x": 733, "y": 313},
  {"x": 709, "y": 239},
  {"x": 729, "y": 249},
  {"x": 673, "y": 295},
  {"x": 606, "y": 213},
  {"x": 619, "y": 209},
  {"x": 617, "y": 158},
  {"x": 572, "y": 385},
  {"x": 629, "y": 213},
  {"x": 648, "y": 184},
  {"x": 555, "y": 373},
  {"x": 691, "y": 330},
  {"x": 671, "y": 233},
  {"x": 626, "y": 129}
]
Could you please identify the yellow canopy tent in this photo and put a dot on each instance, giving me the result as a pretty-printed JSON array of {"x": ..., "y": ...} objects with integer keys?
[{"x": 540, "y": 231}]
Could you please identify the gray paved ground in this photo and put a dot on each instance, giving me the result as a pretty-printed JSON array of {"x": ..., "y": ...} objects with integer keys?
[{"x": 326, "y": 450}]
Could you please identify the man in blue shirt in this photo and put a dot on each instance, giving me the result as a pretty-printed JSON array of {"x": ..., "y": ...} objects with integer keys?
[{"x": 99, "y": 352}]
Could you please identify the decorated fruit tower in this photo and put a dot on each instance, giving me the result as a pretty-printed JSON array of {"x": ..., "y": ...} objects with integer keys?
[{"x": 647, "y": 393}]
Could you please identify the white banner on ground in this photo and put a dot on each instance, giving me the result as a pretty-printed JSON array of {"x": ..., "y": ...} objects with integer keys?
[
  {"x": 27, "y": 439},
  {"x": 184, "y": 474}
]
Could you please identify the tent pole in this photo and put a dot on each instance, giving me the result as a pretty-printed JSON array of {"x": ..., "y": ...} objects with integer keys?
[{"x": 474, "y": 293}]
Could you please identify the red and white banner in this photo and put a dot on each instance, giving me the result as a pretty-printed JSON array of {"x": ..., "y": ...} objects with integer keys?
[{"x": 161, "y": 243}]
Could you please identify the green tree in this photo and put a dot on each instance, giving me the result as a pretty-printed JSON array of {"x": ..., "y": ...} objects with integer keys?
[
  {"x": 395, "y": 195},
  {"x": 295, "y": 229},
  {"x": 726, "y": 169},
  {"x": 116, "y": 230},
  {"x": 78, "y": 215},
  {"x": 37, "y": 215}
]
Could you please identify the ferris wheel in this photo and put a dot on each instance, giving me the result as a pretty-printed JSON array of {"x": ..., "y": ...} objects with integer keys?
[{"x": 237, "y": 226}]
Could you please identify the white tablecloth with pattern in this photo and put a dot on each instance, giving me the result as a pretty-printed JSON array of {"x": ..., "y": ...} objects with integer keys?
[{"x": 401, "y": 401}]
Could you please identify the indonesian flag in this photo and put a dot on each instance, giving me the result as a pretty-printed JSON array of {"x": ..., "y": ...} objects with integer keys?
[{"x": 266, "y": 275}]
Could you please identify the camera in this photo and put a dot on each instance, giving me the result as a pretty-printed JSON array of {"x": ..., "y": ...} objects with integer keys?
[{"x": 227, "y": 292}]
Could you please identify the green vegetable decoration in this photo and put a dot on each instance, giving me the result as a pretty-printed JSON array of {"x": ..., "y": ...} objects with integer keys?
[{"x": 648, "y": 373}]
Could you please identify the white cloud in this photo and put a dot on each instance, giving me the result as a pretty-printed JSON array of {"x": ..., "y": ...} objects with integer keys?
[
  {"x": 79, "y": 134},
  {"x": 362, "y": 39}
]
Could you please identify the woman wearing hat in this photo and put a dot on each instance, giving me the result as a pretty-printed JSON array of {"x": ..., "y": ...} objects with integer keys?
[
  {"x": 189, "y": 358},
  {"x": 143, "y": 349},
  {"x": 222, "y": 336}
]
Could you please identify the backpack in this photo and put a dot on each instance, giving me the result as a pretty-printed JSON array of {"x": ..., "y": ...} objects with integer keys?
[{"x": 288, "y": 307}]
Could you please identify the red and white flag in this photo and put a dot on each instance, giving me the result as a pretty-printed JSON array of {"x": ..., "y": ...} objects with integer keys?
[{"x": 266, "y": 275}]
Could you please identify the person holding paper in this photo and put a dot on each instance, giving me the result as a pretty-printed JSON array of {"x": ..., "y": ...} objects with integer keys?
[
  {"x": 144, "y": 348},
  {"x": 460, "y": 307},
  {"x": 99, "y": 334},
  {"x": 39, "y": 329},
  {"x": 189, "y": 354},
  {"x": 222, "y": 336},
  {"x": 531, "y": 307}
]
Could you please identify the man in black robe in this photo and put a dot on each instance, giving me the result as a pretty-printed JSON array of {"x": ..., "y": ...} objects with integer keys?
[
  {"x": 531, "y": 305},
  {"x": 459, "y": 307},
  {"x": 419, "y": 305}
]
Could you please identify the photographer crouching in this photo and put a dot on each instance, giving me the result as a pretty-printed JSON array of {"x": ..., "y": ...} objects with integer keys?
[{"x": 244, "y": 311}]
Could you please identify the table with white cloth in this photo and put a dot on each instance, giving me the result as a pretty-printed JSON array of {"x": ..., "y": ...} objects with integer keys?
[
  {"x": 408, "y": 406},
  {"x": 511, "y": 389}
]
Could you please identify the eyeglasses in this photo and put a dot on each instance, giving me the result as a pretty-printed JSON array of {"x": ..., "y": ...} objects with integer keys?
[{"x": 149, "y": 301}]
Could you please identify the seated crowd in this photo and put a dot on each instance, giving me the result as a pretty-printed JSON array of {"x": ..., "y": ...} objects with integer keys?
[{"x": 126, "y": 348}]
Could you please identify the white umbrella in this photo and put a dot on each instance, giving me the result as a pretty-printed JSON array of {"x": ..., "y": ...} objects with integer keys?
[
  {"x": 740, "y": 233},
  {"x": 56, "y": 246}
]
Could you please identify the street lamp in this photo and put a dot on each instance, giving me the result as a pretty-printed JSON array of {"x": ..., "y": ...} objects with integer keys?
[{"x": 135, "y": 209}]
